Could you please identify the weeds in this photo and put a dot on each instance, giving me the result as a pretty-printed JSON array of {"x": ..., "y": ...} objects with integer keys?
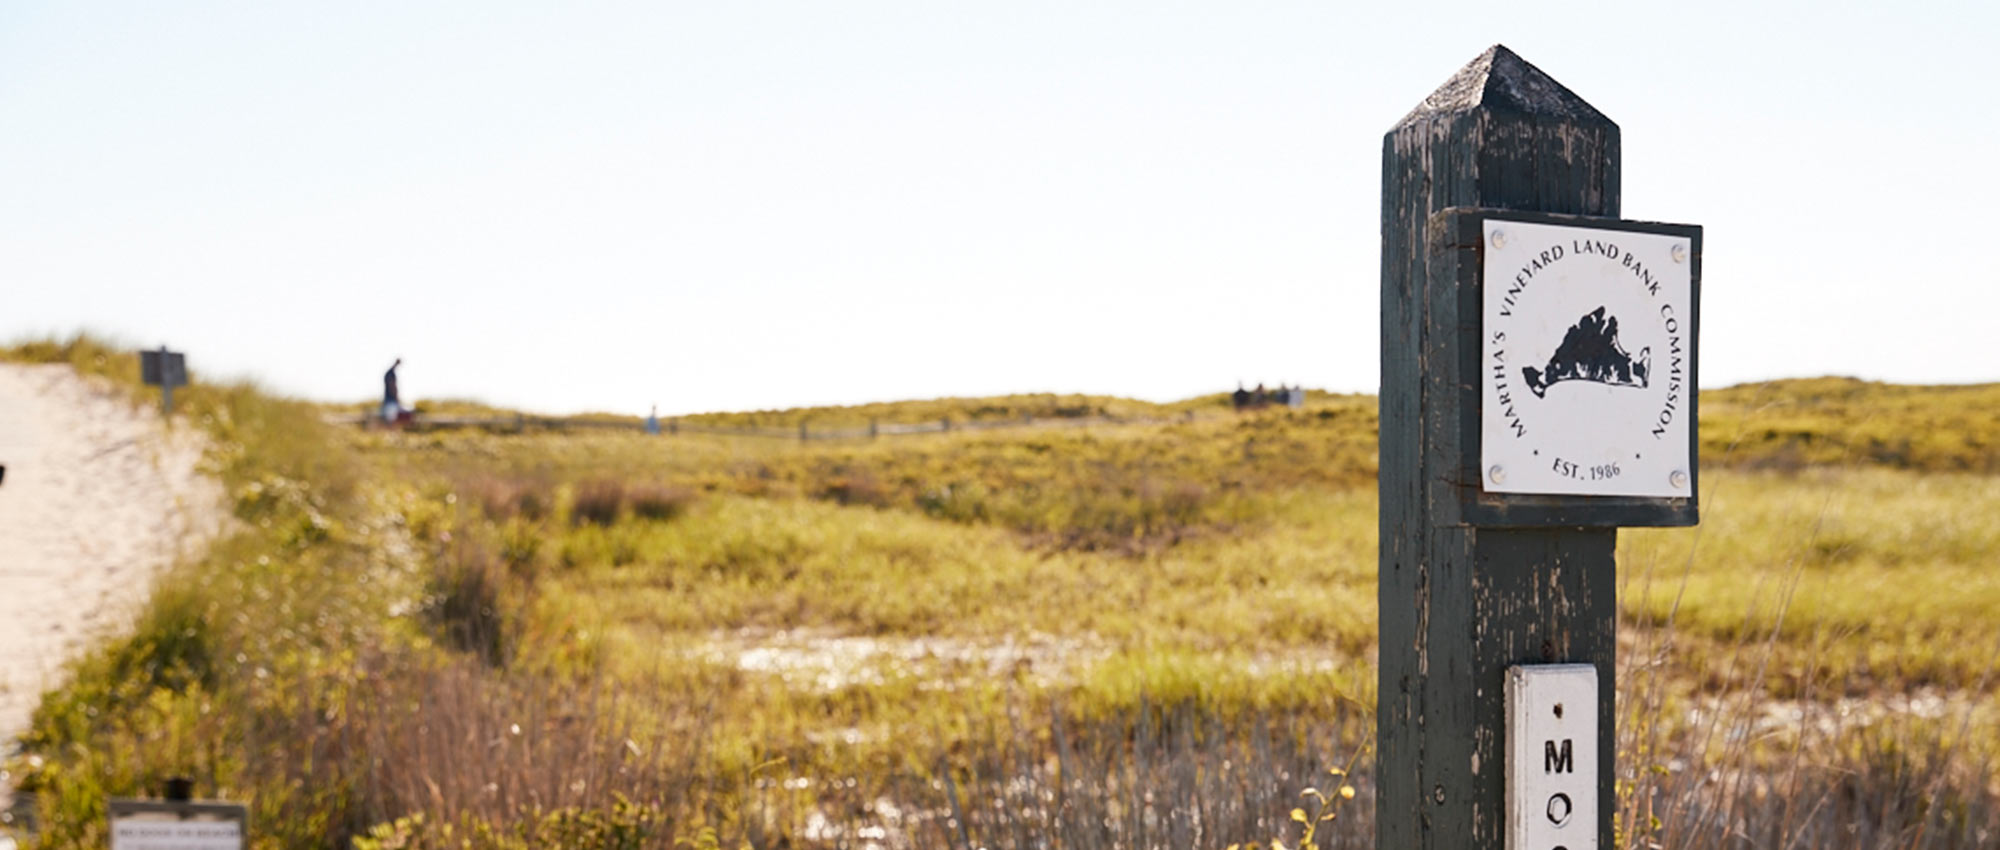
[
  {"x": 1128, "y": 636},
  {"x": 598, "y": 502},
  {"x": 659, "y": 502},
  {"x": 506, "y": 498},
  {"x": 470, "y": 605}
]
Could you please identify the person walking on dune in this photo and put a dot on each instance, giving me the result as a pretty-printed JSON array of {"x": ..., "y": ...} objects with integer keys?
[{"x": 392, "y": 402}]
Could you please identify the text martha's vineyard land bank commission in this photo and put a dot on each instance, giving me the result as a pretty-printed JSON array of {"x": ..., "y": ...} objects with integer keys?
[{"x": 1587, "y": 361}]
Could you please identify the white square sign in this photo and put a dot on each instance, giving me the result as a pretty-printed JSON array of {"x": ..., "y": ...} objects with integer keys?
[{"x": 1587, "y": 360}]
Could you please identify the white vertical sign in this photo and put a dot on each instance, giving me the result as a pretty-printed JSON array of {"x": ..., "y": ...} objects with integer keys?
[{"x": 1552, "y": 757}]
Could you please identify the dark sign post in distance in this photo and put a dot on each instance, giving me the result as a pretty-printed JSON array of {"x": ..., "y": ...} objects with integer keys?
[{"x": 166, "y": 370}]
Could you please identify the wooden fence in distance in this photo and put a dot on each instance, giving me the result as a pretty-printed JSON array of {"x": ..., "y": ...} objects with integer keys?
[{"x": 803, "y": 432}]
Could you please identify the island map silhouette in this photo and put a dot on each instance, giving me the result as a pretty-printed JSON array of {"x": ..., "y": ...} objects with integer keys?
[{"x": 1590, "y": 352}]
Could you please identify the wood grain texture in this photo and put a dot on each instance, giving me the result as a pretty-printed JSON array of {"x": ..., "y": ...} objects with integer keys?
[{"x": 1460, "y": 603}]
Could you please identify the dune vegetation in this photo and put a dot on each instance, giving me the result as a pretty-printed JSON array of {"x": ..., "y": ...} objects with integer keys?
[{"x": 1156, "y": 632}]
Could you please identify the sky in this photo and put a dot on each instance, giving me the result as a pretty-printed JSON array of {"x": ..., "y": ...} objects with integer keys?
[{"x": 724, "y": 206}]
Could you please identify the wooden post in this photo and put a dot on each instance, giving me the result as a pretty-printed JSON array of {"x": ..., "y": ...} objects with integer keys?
[
  {"x": 166, "y": 383},
  {"x": 1461, "y": 602}
]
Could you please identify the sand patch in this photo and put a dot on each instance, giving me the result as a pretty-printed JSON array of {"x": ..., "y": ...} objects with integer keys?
[
  {"x": 98, "y": 496},
  {"x": 829, "y": 662}
]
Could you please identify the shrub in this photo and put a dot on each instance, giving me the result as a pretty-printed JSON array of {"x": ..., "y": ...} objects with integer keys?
[
  {"x": 599, "y": 502},
  {"x": 659, "y": 501},
  {"x": 468, "y": 603},
  {"x": 623, "y": 825},
  {"x": 520, "y": 544},
  {"x": 505, "y": 498},
  {"x": 856, "y": 488}
]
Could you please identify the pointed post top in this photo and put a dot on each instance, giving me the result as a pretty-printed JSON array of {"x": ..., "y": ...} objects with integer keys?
[{"x": 1499, "y": 80}]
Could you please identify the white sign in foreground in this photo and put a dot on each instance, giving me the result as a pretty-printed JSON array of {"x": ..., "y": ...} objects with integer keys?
[
  {"x": 1587, "y": 361},
  {"x": 175, "y": 835},
  {"x": 1552, "y": 757},
  {"x": 177, "y": 825}
]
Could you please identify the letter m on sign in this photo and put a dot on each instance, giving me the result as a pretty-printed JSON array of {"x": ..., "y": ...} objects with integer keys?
[{"x": 1557, "y": 761}]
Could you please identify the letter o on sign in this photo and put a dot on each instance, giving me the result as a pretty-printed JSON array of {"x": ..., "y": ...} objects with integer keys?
[{"x": 1560, "y": 809}]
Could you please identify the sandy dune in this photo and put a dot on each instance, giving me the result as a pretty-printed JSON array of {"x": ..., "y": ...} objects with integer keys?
[{"x": 96, "y": 498}]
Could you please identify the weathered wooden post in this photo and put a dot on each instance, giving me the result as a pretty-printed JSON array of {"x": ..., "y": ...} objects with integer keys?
[{"x": 1537, "y": 392}]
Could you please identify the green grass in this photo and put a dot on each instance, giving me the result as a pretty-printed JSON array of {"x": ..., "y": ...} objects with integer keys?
[
  {"x": 1889, "y": 572},
  {"x": 695, "y": 620},
  {"x": 1789, "y": 425}
]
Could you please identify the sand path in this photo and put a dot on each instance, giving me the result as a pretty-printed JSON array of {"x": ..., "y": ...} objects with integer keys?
[{"x": 96, "y": 498}]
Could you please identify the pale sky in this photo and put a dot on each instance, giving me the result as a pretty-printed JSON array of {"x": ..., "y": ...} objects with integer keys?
[{"x": 583, "y": 206}]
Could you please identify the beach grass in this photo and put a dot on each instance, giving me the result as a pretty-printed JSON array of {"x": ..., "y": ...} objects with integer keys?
[{"x": 1136, "y": 634}]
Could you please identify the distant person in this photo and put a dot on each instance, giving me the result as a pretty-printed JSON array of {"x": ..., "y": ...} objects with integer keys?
[
  {"x": 653, "y": 421},
  {"x": 1240, "y": 398},
  {"x": 1298, "y": 397},
  {"x": 392, "y": 402}
]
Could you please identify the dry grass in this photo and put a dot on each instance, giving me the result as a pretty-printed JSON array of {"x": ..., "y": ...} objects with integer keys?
[
  {"x": 506, "y": 498},
  {"x": 659, "y": 502},
  {"x": 1144, "y": 635},
  {"x": 598, "y": 502}
]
